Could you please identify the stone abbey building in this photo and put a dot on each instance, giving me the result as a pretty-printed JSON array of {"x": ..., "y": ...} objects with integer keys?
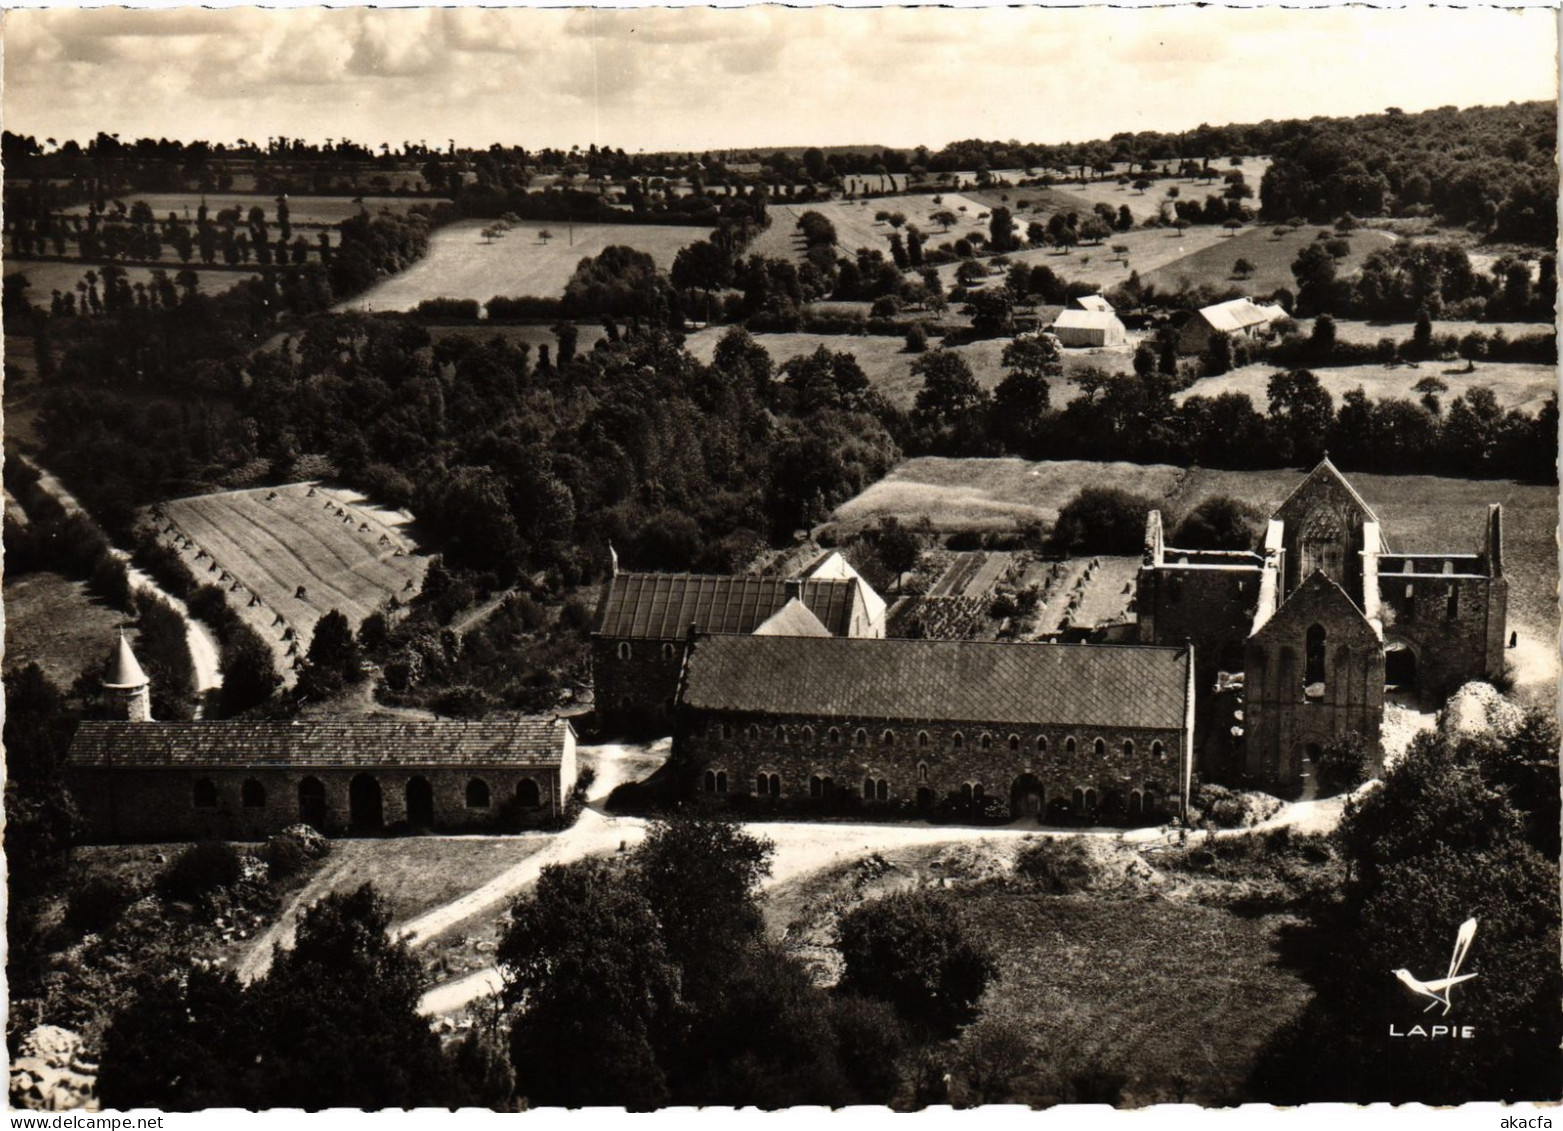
[
  {"x": 140, "y": 779},
  {"x": 644, "y": 620},
  {"x": 1053, "y": 730},
  {"x": 1318, "y": 624}
]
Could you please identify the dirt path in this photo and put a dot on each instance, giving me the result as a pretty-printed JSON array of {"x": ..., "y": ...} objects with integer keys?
[
  {"x": 204, "y": 656},
  {"x": 1535, "y": 660},
  {"x": 344, "y": 856}
]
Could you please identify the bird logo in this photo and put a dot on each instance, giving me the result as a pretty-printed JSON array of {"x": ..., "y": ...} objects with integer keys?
[{"x": 1438, "y": 989}]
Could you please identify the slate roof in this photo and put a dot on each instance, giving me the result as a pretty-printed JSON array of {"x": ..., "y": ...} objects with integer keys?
[
  {"x": 794, "y": 619},
  {"x": 124, "y": 672},
  {"x": 662, "y": 606},
  {"x": 370, "y": 743},
  {"x": 940, "y": 680},
  {"x": 1239, "y": 314}
]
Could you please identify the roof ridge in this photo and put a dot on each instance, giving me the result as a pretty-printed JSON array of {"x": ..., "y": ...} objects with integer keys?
[{"x": 881, "y": 640}]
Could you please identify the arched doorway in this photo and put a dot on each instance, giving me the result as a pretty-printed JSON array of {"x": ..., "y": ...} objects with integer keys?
[
  {"x": 312, "y": 802},
  {"x": 366, "y": 809},
  {"x": 420, "y": 803},
  {"x": 1026, "y": 798},
  {"x": 527, "y": 794},
  {"x": 1400, "y": 668}
]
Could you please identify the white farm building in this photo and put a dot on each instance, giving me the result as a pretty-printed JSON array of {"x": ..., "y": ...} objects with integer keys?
[
  {"x": 1237, "y": 317},
  {"x": 1089, "y": 328}
]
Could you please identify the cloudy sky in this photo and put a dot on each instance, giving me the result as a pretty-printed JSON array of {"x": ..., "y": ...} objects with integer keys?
[{"x": 696, "y": 79}]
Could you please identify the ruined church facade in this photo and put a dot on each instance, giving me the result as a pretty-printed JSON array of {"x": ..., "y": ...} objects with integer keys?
[{"x": 1299, "y": 641}]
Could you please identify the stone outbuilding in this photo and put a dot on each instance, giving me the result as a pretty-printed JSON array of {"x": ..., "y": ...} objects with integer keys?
[
  {"x": 1058, "y": 731},
  {"x": 1238, "y": 317},
  {"x": 237, "y": 780}
]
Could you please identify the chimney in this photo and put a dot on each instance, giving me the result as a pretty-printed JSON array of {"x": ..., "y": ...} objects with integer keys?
[{"x": 792, "y": 589}]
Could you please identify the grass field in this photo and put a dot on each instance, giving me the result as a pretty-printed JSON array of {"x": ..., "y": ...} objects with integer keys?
[
  {"x": 1149, "y": 203},
  {"x": 889, "y": 367},
  {"x": 417, "y": 874},
  {"x": 1128, "y": 986},
  {"x": 47, "y": 276},
  {"x": 460, "y": 265},
  {"x": 272, "y": 546},
  {"x": 856, "y": 227},
  {"x": 1272, "y": 259},
  {"x": 1097, "y": 264},
  {"x": 1516, "y": 385},
  {"x": 306, "y": 210},
  {"x": 1420, "y": 513},
  {"x": 56, "y": 623},
  {"x": 1369, "y": 333}
]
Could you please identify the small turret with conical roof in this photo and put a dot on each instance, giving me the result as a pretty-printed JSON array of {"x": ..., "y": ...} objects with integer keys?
[{"x": 128, "y": 685}]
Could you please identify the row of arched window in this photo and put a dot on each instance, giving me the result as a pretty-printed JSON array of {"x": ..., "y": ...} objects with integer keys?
[
  {"x": 835, "y": 736},
  {"x": 252, "y": 793},
  {"x": 876, "y": 788},
  {"x": 625, "y": 651}
]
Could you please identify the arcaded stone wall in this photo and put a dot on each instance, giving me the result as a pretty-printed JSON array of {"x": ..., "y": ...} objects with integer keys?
[{"x": 161, "y": 804}]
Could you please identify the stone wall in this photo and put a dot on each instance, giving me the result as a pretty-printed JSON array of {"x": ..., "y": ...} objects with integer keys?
[
  {"x": 922, "y": 763},
  {"x": 1450, "y": 650},
  {"x": 1211, "y": 608},
  {"x": 161, "y": 804},
  {"x": 637, "y": 691},
  {"x": 1284, "y": 715}
]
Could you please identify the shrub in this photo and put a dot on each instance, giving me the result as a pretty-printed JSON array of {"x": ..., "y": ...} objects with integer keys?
[
  {"x": 916, "y": 338},
  {"x": 97, "y": 904},
  {"x": 1344, "y": 764},
  {"x": 199, "y": 870},
  {"x": 292, "y": 850},
  {"x": 912, "y": 950},
  {"x": 1058, "y": 866},
  {"x": 1102, "y": 520}
]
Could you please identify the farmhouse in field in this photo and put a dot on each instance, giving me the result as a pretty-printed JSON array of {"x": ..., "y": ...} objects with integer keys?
[
  {"x": 644, "y": 620},
  {"x": 1086, "y": 732},
  {"x": 1239, "y": 317},
  {"x": 1319, "y": 622},
  {"x": 1089, "y": 328},
  {"x": 139, "y": 779}
]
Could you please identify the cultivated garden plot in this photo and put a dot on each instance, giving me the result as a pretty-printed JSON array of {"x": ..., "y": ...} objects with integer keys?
[
  {"x": 462, "y": 264},
  {"x": 289, "y": 555}
]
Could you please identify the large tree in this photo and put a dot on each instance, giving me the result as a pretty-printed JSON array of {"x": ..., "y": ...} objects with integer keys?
[{"x": 913, "y": 951}]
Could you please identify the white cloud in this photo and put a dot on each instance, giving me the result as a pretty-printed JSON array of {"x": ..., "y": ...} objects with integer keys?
[{"x": 767, "y": 75}]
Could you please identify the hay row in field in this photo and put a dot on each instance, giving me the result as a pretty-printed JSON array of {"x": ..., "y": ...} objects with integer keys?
[{"x": 289, "y": 555}]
